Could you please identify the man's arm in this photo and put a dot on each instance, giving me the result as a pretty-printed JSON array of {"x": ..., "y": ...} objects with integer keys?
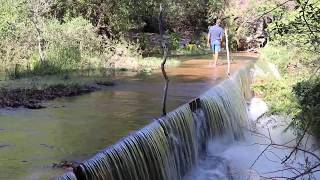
[
  {"x": 208, "y": 39},
  {"x": 221, "y": 36}
]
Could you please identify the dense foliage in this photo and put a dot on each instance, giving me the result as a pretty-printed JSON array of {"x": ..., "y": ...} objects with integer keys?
[
  {"x": 298, "y": 25},
  {"x": 114, "y": 17},
  {"x": 307, "y": 93},
  {"x": 50, "y": 36},
  {"x": 294, "y": 48},
  {"x": 64, "y": 43}
]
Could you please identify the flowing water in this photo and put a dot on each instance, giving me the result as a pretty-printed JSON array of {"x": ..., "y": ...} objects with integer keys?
[
  {"x": 171, "y": 146},
  {"x": 76, "y": 128},
  {"x": 243, "y": 160},
  {"x": 209, "y": 138}
]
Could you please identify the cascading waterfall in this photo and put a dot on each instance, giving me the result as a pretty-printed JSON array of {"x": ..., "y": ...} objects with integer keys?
[
  {"x": 225, "y": 109},
  {"x": 170, "y": 146}
]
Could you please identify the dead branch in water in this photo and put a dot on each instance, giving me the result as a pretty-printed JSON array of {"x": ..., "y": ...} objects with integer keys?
[{"x": 165, "y": 56}]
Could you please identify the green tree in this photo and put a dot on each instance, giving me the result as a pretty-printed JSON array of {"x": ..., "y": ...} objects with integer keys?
[
  {"x": 16, "y": 33},
  {"x": 37, "y": 10}
]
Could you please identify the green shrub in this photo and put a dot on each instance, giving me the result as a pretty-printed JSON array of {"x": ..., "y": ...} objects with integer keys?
[
  {"x": 174, "y": 40},
  {"x": 278, "y": 95},
  {"x": 16, "y": 36},
  {"x": 307, "y": 93},
  {"x": 71, "y": 42},
  {"x": 70, "y": 45},
  {"x": 150, "y": 63},
  {"x": 44, "y": 68},
  {"x": 295, "y": 94},
  {"x": 191, "y": 50},
  {"x": 14, "y": 72},
  {"x": 279, "y": 56},
  {"x": 64, "y": 58},
  {"x": 143, "y": 41}
]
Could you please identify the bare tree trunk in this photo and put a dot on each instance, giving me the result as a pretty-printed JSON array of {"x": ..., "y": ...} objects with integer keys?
[
  {"x": 165, "y": 56},
  {"x": 227, "y": 48},
  {"x": 37, "y": 9},
  {"x": 41, "y": 46},
  {"x": 41, "y": 40}
]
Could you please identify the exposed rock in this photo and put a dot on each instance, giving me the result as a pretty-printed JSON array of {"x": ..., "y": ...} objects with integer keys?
[
  {"x": 4, "y": 145},
  {"x": 259, "y": 37},
  {"x": 105, "y": 83},
  {"x": 68, "y": 165}
]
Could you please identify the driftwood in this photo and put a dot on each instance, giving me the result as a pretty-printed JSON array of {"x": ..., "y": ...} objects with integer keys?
[{"x": 165, "y": 56}]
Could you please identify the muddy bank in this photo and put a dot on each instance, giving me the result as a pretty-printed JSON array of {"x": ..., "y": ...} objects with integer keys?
[{"x": 32, "y": 98}]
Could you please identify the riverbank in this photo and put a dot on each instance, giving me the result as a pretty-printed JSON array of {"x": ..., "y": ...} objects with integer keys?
[{"x": 31, "y": 92}]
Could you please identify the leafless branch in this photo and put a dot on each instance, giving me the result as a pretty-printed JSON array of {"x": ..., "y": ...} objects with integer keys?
[
  {"x": 306, "y": 168},
  {"x": 304, "y": 18},
  {"x": 296, "y": 146}
]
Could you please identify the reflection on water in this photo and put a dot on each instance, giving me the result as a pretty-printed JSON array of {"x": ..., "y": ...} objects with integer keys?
[{"x": 76, "y": 128}]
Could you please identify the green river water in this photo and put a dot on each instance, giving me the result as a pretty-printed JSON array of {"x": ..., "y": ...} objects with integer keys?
[{"x": 75, "y": 128}]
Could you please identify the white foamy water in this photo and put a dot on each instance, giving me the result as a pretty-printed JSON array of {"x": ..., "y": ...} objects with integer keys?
[
  {"x": 243, "y": 159},
  {"x": 257, "y": 108}
]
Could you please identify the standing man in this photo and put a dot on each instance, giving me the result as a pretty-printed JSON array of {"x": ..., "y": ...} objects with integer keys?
[{"x": 214, "y": 40}]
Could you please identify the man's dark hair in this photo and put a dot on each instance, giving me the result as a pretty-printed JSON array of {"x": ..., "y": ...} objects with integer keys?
[{"x": 218, "y": 21}]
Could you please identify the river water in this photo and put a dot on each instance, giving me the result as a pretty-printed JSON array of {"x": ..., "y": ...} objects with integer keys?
[
  {"x": 251, "y": 158},
  {"x": 75, "y": 128}
]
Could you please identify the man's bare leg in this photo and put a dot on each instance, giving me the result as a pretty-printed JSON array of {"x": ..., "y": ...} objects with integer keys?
[
  {"x": 215, "y": 58},
  {"x": 211, "y": 61}
]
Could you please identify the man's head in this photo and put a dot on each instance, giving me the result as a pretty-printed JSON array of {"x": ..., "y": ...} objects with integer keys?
[{"x": 218, "y": 22}]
